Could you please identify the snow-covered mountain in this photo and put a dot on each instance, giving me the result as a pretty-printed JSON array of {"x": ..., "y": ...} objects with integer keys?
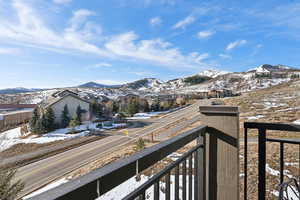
[
  {"x": 257, "y": 78},
  {"x": 212, "y": 73},
  {"x": 266, "y": 68}
]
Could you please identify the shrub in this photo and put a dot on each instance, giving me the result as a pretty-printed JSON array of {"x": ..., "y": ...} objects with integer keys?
[
  {"x": 74, "y": 122},
  {"x": 140, "y": 144},
  {"x": 9, "y": 189}
]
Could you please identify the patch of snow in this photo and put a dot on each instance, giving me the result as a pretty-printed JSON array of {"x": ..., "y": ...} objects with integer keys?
[
  {"x": 212, "y": 73},
  {"x": 272, "y": 171},
  {"x": 131, "y": 184},
  {"x": 174, "y": 156},
  {"x": 147, "y": 115},
  {"x": 113, "y": 126},
  {"x": 47, "y": 187},
  {"x": 13, "y": 136},
  {"x": 297, "y": 122},
  {"x": 261, "y": 69},
  {"x": 255, "y": 117},
  {"x": 291, "y": 163}
]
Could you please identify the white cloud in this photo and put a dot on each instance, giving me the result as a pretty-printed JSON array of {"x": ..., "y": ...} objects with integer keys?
[
  {"x": 205, "y": 34},
  {"x": 235, "y": 44},
  {"x": 103, "y": 64},
  {"x": 62, "y": 1},
  {"x": 155, "y": 21},
  {"x": 156, "y": 51},
  {"x": 9, "y": 51},
  {"x": 225, "y": 56},
  {"x": 30, "y": 30},
  {"x": 183, "y": 23}
]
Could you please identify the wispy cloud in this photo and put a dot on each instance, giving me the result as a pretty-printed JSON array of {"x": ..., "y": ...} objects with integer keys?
[
  {"x": 235, "y": 44},
  {"x": 82, "y": 36},
  {"x": 225, "y": 56},
  {"x": 100, "y": 65},
  {"x": 62, "y": 1},
  {"x": 9, "y": 51},
  {"x": 185, "y": 22},
  {"x": 156, "y": 51},
  {"x": 155, "y": 21},
  {"x": 205, "y": 34},
  {"x": 30, "y": 30}
]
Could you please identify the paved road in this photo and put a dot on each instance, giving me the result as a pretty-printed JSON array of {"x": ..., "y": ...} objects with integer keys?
[{"x": 38, "y": 174}]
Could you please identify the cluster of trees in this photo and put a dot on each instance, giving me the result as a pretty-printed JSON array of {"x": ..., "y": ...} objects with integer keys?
[
  {"x": 295, "y": 76},
  {"x": 196, "y": 79},
  {"x": 132, "y": 106},
  {"x": 44, "y": 122}
]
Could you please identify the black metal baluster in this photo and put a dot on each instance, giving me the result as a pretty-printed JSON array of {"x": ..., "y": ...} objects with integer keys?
[
  {"x": 261, "y": 164},
  {"x": 156, "y": 190},
  {"x": 245, "y": 161},
  {"x": 142, "y": 196},
  {"x": 281, "y": 161},
  {"x": 177, "y": 182},
  {"x": 167, "y": 178},
  {"x": 184, "y": 180},
  {"x": 190, "y": 178}
]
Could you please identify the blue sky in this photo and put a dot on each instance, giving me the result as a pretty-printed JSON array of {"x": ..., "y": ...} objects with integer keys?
[{"x": 57, "y": 43}]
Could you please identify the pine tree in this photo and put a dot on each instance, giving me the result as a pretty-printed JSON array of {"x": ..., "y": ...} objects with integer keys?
[
  {"x": 43, "y": 125},
  {"x": 34, "y": 120},
  {"x": 96, "y": 109},
  {"x": 65, "y": 117},
  {"x": 9, "y": 189},
  {"x": 49, "y": 120},
  {"x": 79, "y": 113}
]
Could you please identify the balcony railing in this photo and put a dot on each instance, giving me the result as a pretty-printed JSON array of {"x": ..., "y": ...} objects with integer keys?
[
  {"x": 262, "y": 141},
  {"x": 209, "y": 170}
]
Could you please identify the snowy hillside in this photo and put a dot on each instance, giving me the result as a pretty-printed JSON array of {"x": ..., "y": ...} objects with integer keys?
[
  {"x": 260, "y": 77},
  {"x": 212, "y": 73}
]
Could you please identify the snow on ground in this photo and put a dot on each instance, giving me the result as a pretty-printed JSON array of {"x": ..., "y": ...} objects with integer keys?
[
  {"x": 147, "y": 115},
  {"x": 255, "y": 117},
  {"x": 47, "y": 187},
  {"x": 12, "y": 137},
  {"x": 274, "y": 172},
  {"x": 131, "y": 184},
  {"x": 297, "y": 122}
]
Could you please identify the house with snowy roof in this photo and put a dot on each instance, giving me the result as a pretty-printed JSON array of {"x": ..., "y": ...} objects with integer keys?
[{"x": 59, "y": 100}]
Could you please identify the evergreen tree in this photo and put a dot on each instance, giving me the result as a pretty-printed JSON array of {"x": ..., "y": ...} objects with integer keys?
[
  {"x": 43, "y": 125},
  {"x": 65, "y": 117},
  {"x": 96, "y": 109},
  {"x": 34, "y": 120},
  {"x": 133, "y": 107},
  {"x": 49, "y": 120},
  {"x": 39, "y": 128},
  {"x": 79, "y": 112}
]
